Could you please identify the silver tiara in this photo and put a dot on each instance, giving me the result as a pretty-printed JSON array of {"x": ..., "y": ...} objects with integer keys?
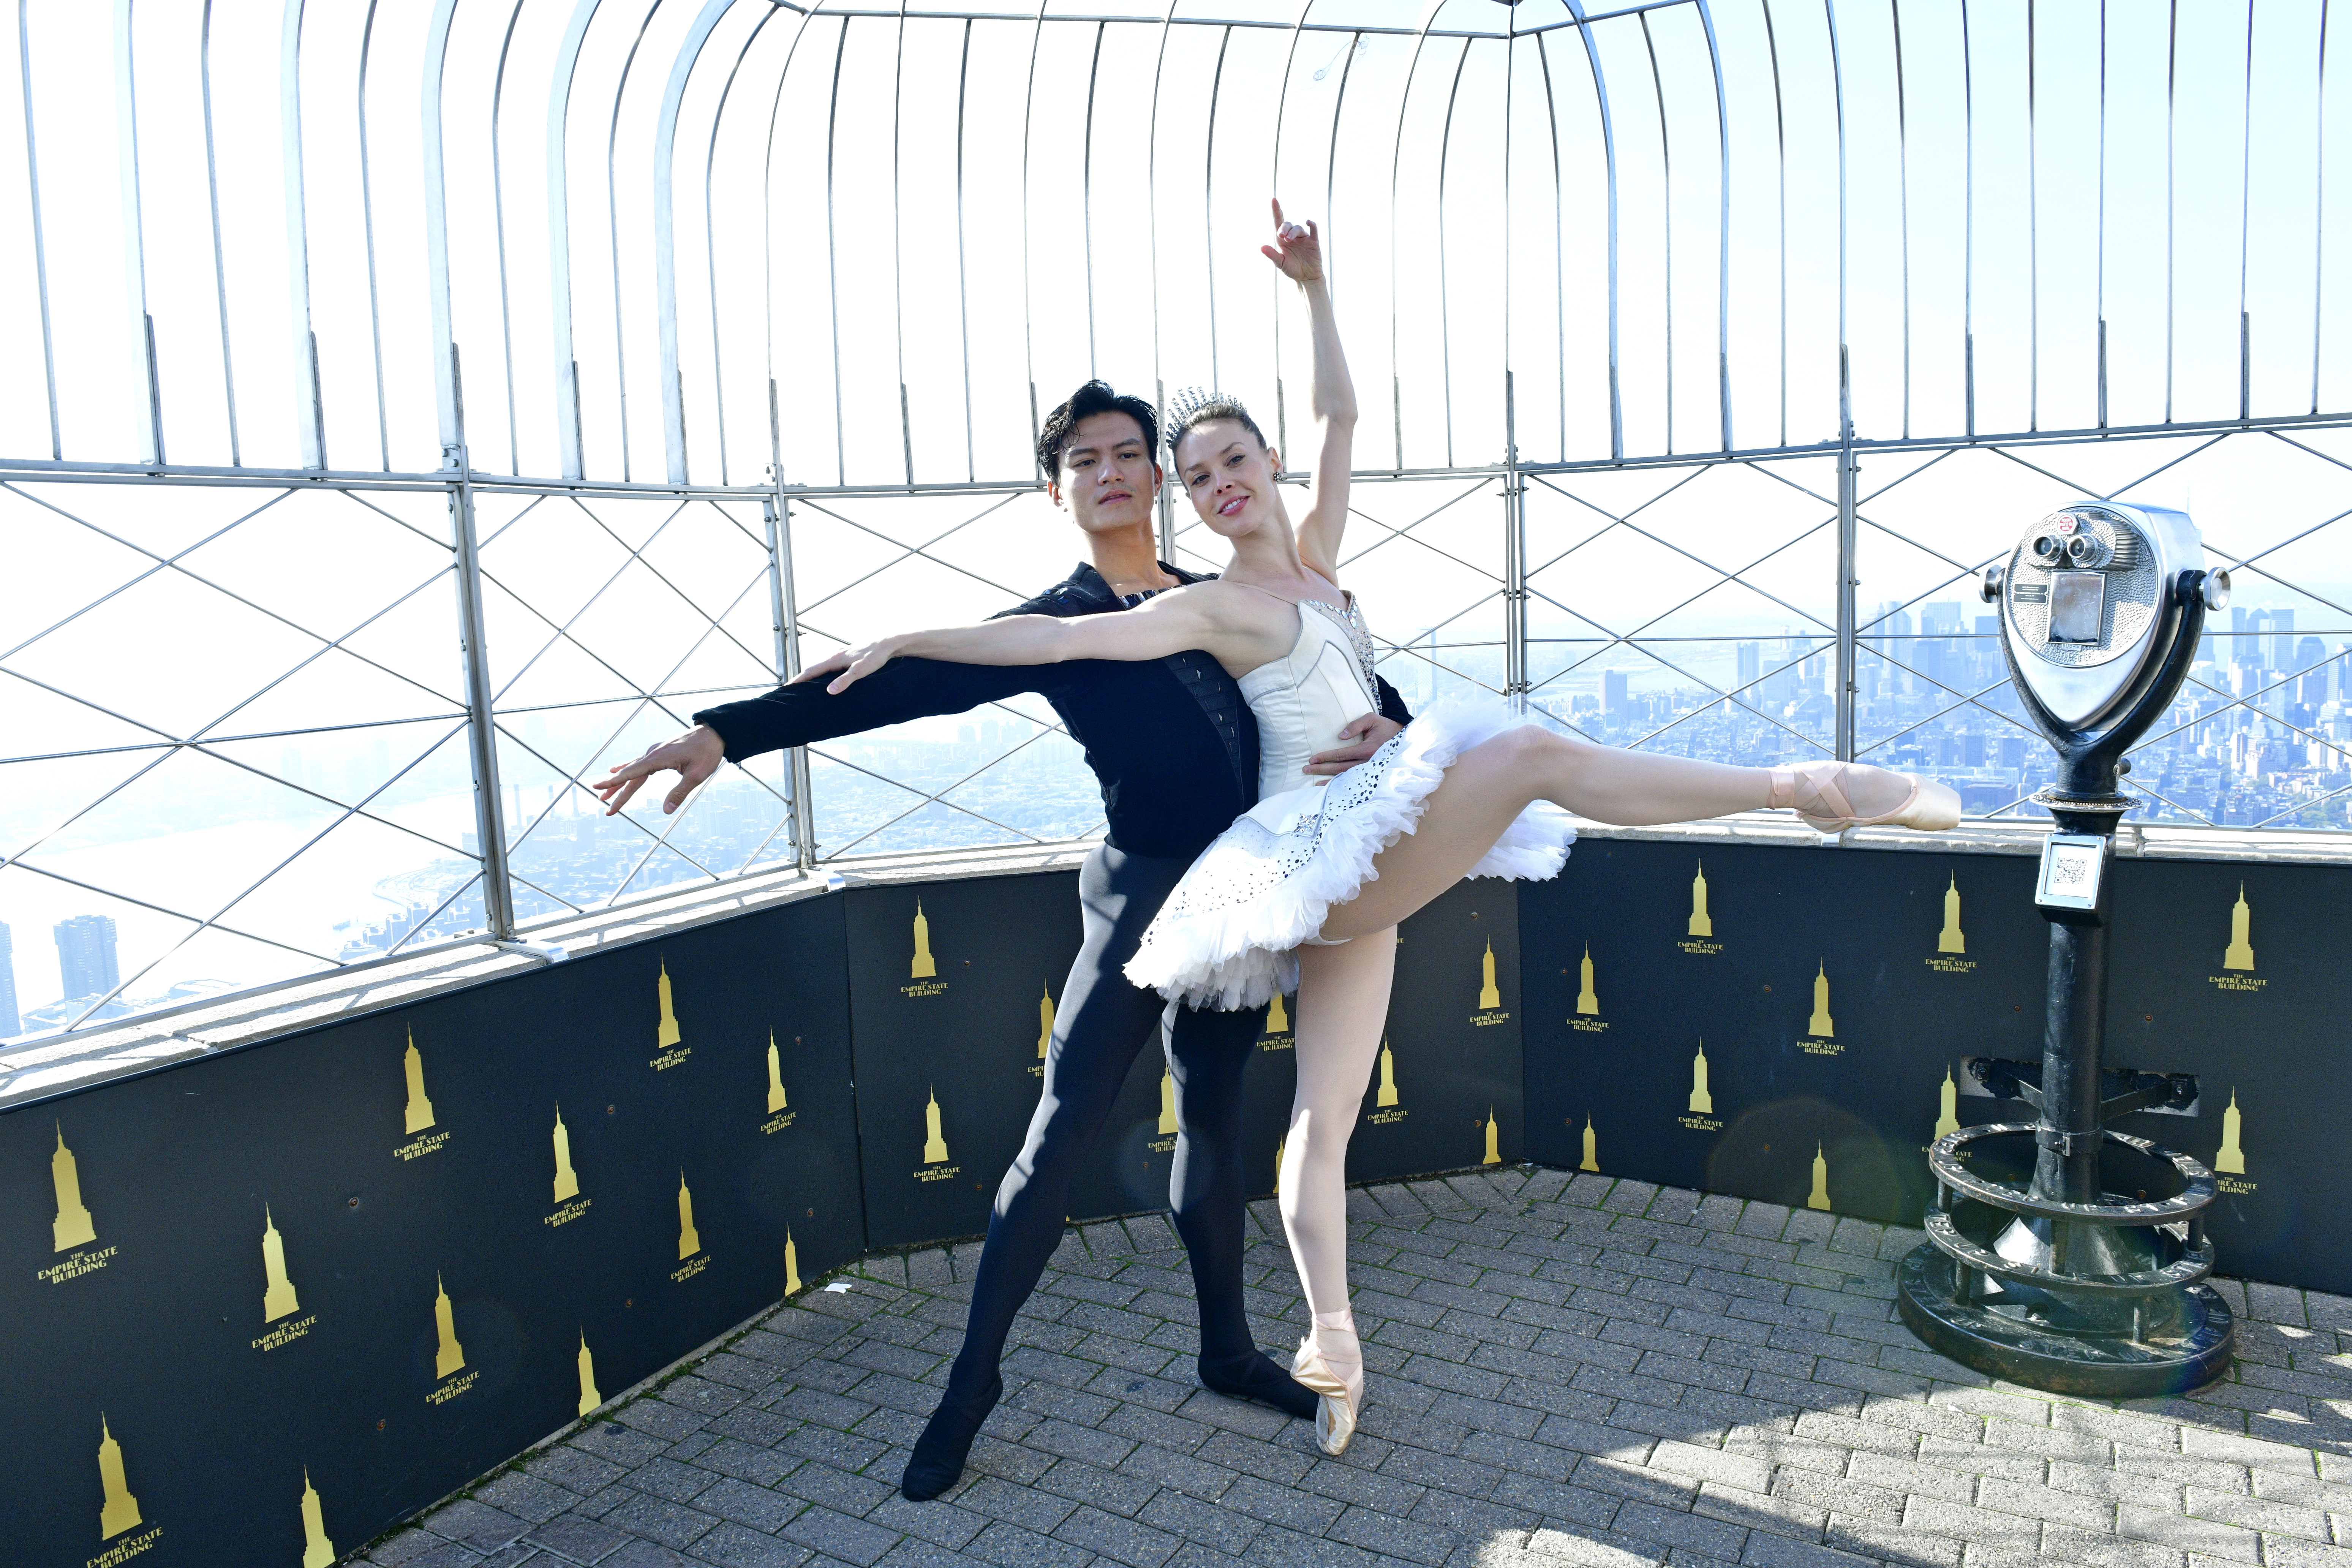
[{"x": 1188, "y": 401}]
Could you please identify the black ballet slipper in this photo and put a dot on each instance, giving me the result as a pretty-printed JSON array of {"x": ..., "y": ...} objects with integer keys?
[
  {"x": 939, "y": 1453},
  {"x": 1258, "y": 1376}
]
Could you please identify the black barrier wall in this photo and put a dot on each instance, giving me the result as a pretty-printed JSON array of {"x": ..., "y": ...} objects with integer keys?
[
  {"x": 953, "y": 987},
  {"x": 1792, "y": 1024},
  {"x": 263, "y": 1304}
]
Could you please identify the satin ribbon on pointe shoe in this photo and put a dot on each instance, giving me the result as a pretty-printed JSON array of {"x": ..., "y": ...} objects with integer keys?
[{"x": 1817, "y": 793}]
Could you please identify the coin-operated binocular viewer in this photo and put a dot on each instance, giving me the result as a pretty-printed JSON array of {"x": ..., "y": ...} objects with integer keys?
[{"x": 2052, "y": 1280}]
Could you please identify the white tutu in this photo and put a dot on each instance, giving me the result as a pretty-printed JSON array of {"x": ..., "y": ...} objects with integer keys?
[{"x": 1226, "y": 937}]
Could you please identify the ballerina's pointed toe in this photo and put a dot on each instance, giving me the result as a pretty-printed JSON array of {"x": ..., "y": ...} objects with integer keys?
[
  {"x": 1817, "y": 793},
  {"x": 1339, "y": 1398}
]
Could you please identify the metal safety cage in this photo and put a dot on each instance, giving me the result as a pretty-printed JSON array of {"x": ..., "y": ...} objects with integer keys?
[{"x": 415, "y": 408}]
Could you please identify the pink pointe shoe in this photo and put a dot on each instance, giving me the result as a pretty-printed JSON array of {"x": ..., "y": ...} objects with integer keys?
[
  {"x": 1331, "y": 1362},
  {"x": 1818, "y": 793}
]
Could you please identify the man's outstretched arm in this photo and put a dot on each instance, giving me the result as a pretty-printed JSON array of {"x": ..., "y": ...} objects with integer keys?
[{"x": 802, "y": 714}]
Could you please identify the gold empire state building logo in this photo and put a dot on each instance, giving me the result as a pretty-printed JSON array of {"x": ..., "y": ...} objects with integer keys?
[
  {"x": 1951, "y": 940},
  {"x": 1388, "y": 1095},
  {"x": 688, "y": 1243},
  {"x": 1819, "y": 1198},
  {"x": 775, "y": 1076},
  {"x": 73, "y": 1227},
  {"x": 1494, "y": 1155},
  {"x": 1819, "y": 1025},
  {"x": 1700, "y": 924},
  {"x": 1702, "y": 1103},
  {"x": 1166, "y": 1101},
  {"x": 120, "y": 1509},
  {"x": 2240, "y": 953},
  {"x": 667, "y": 1035},
  {"x": 448, "y": 1356},
  {"x": 935, "y": 1144},
  {"x": 318, "y": 1551},
  {"x": 1490, "y": 995},
  {"x": 1588, "y": 1003},
  {"x": 2232, "y": 1158},
  {"x": 792, "y": 1265},
  {"x": 277, "y": 1294},
  {"x": 567, "y": 1185},
  {"x": 1277, "y": 1018},
  {"x": 923, "y": 967},
  {"x": 1592, "y": 1161},
  {"x": 1948, "y": 1114},
  {"x": 1044, "y": 1021},
  {"x": 420, "y": 1109},
  {"x": 589, "y": 1397}
]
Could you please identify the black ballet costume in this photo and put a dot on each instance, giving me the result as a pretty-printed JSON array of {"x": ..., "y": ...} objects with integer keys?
[{"x": 1175, "y": 750}]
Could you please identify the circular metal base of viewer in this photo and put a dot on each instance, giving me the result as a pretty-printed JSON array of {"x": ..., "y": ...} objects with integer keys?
[{"x": 2183, "y": 1344}]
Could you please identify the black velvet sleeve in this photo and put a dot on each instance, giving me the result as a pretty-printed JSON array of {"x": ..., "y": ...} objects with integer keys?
[
  {"x": 902, "y": 690},
  {"x": 1392, "y": 706}
]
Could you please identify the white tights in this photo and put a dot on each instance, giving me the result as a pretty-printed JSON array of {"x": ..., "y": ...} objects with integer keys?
[{"x": 1343, "y": 1003}]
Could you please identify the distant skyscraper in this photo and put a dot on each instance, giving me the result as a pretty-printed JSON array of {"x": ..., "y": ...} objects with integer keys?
[
  {"x": 9, "y": 1023},
  {"x": 1613, "y": 692},
  {"x": 2282, "y": 639},
  {"x": 1751, "y": 666},
  {"x": 86, "y": 960}
]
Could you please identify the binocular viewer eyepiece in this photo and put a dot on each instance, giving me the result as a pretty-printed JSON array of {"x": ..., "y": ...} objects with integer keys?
[{"x": 2091, "y": 597}]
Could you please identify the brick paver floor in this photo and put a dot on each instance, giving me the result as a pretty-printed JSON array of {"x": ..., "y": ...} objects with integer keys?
[{"x": 1581, "y": 1372}]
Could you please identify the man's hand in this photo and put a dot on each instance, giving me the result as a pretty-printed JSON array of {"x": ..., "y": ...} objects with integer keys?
[
  {"x": 693, "y": 756},
  {"x": 1363, "y": 737}
]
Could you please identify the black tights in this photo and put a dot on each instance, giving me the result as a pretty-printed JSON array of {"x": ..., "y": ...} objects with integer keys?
[{"x": 1102, "y": 1023}]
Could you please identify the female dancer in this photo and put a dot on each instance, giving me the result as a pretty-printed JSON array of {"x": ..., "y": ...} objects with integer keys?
[{"x": 1467, "y": 789}]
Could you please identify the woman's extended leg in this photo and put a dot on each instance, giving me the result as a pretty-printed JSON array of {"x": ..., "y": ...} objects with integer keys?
[
  {"x": 1492, "y": 783},
  {"x": 1343, "y": 1002}
]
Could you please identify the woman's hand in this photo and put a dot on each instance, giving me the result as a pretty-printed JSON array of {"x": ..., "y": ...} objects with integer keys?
[
  {"x": 1300, "y": 258},
  {"x": 855, "y": 664}
]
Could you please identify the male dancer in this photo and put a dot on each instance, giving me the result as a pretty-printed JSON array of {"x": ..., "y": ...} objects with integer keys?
[{"x": 1176, "y": 751}]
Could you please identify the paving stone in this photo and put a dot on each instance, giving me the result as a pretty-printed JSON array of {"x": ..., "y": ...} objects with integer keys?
[
  {"x": 475, "y": 1525},
  {"x": 1563, "y": 1370}
]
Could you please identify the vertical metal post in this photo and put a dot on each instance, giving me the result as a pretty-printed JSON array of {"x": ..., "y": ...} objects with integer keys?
[
  {"x": 1515, "y": 556},
  {"x": 785, "y": 608},
  {"x": 1167, "y": 499},
  {"x": 1845, "y": 563},
  {"x": 489, "y": 822}
]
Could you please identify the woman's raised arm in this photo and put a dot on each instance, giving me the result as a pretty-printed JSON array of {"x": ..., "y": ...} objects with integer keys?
[
  {"x": 1300, "y": 259},
  {"x": 1169, "y": 623}
]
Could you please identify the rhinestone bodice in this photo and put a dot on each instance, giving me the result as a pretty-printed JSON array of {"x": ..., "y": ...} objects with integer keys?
[{"x": 1303, "y": 698}]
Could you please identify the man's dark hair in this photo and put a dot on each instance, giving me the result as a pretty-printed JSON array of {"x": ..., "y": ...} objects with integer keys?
[
  {"x": 1095, "y": 397},
  {"x": 1202, "y": 410}
]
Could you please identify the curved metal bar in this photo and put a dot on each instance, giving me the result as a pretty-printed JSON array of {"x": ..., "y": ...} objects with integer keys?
[
  {"x": 499, "y": 223},
  {"x": 1666, "y": 209},
  {"x": 1723, "y": 232},
  {"x": 673, "y": 388},
  {"x": 613, "y": 233},
  {"x": 40, "y": 239},
  {"x": 134, "y": 244},
  {"x": 1444, "y": 304},
  {"x": 559, "y": 239},
  {"x": 310, "y": 415},
  {"x": 832, "y": 255},
  {"x": 367, "y": 225},
  {"x": 1208, "y": 209},
  {"x": 444, "y": 346},
  {"x": 1609, "y": 154},
  {"x": 1396, "y": 178},
  {"x": 711, "y": 233}
]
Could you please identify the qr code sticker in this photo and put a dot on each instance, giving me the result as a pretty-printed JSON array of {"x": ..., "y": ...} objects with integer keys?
[{"x": 2071, "y": 871}]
